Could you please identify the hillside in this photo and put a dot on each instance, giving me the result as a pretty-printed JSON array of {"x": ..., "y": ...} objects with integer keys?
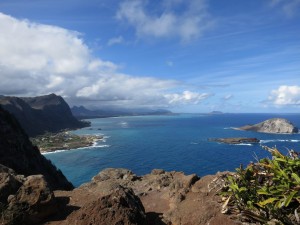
[
  {"x": 37, "y": 115},
  {"x": 17, "y": 153}
]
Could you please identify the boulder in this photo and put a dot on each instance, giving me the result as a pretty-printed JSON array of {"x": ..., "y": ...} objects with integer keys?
[
  {"x": 122, "y": 206},
  {"x": 9, "y": 184},
  {"x": 275, "y": 125},
  {"x": 33, "y": 202}
]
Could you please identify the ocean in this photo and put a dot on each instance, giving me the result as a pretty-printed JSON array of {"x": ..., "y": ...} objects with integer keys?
[{"x": 170, "y": 142}]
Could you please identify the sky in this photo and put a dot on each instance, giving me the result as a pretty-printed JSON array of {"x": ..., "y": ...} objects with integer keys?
[{"x": 182, "y": 55}]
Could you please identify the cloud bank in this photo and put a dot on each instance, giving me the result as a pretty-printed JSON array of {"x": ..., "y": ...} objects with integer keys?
[
  {"x": 285, "y": 95},
  {"x": 38, "y": 59},
  {"x": 186, "y": 19}
]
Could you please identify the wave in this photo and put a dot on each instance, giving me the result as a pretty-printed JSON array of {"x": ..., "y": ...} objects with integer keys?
[
  {"x": 124, "y": 124},
  {"x": 102, "y": 146},
  {"x": 229, "y": 128},
  {"x": 56, "y": 151},
  {"x": 95, "y": 145},
  {"x": 194, "y": 143},
  {"x": 244, "y": 144},
  {"x": 278, "y": 140},
  {"x": 104, "y": 138}
]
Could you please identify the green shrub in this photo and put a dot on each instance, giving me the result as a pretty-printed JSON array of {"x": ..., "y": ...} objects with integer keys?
[{"x": 268, "y": 189}]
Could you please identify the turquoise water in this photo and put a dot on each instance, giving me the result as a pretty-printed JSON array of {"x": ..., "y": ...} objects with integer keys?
[{"x": 176, "y": 142}]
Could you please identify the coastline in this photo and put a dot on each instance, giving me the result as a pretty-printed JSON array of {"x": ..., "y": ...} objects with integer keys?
[{"x": 64, "y": 141}]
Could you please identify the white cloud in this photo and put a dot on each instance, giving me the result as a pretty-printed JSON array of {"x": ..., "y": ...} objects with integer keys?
[
  {"x": 187, "y": 23},
  {"x": 289, "y": 7},
  {"x": 38, "y": 59},
  {"x": 285, "y": 95},
  {"x": 187, "y": 97},
  {"x": 227, "y": 97},
  {"x": 115, "y": 40}
]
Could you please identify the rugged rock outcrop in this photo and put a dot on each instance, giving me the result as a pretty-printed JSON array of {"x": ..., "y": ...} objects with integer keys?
[
  {"x": 122, "y": 206},
  {"x": 24, "y": 200},
  {"x": 275, "y": 125},
  {"x": 234, "y": 141},
  {"x": 168, "y": 198},
  {"x": 37, "y": 115},
  {"x": 115, "y": 196},
  {"x": 18, "y": 153}
]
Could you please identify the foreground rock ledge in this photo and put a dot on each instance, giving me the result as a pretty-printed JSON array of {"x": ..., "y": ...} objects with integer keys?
[
  {"x": 118, "y": 196},
  {"x": 113, "y": 197},
  {"x": 274, "y": 126}
]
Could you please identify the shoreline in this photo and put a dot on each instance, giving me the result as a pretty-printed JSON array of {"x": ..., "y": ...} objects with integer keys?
[{"x": 64, "y": 141}]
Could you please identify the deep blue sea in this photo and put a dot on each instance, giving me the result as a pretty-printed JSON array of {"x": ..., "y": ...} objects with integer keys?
[{"x": 172, "y": 142}]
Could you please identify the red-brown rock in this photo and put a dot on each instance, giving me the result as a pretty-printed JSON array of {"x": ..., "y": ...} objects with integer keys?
[{"x": 119, "y": 207}]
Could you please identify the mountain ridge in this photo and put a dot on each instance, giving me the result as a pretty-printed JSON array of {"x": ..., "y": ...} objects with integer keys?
[
  {"x": 81, "y": 112},
  {"x": 18, "y": 153},
  {"x": 41, "y": 114}
]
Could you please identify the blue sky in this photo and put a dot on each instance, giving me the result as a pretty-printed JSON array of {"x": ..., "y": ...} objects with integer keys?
[{"x": 183, "y": 55}]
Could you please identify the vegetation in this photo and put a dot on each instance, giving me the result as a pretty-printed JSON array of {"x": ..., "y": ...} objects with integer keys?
[{"x": 268, "y": 190}]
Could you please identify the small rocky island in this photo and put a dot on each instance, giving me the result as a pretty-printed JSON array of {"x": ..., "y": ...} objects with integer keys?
[
  {"x": 236, "y": 140},
  {"x": 273, "y": 126}
]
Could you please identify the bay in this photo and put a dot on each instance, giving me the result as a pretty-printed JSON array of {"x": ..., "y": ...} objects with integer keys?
[{"x": 170, "y": 142}]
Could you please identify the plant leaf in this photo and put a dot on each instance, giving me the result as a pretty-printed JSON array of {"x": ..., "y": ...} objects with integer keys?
[
  {"x": 296, "y": 177},
  {"x": 289, "y": 198},
  {"x": 269, "y": 200}
]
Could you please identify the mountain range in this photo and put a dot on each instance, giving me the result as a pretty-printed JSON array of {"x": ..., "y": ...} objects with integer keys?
[{"x": 81, "y": 112}]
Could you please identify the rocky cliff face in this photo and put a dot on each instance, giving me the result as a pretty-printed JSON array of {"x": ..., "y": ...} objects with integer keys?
[
  {"x": 275, "y": 125},
  {"x": 38, "y": 115},
  {"x": 18, "y": 153}
]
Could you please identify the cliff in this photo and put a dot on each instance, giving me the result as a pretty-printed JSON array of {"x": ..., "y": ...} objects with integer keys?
[
  {"x": 275, "y": 125},
  {"x": 18, "y": 153},
  {"x": 37, "y": 115}
]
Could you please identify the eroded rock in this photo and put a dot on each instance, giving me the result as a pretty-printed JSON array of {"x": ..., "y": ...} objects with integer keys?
[
  {"x": 122, "y": 206},
  {"x": 33, "y": 202}
]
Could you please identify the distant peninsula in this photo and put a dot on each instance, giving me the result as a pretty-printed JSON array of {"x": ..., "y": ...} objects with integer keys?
[
  {"x": 273, "y": 126},
  {"x": 50, "y": 142},
  {"x": 216, "y": 112}
]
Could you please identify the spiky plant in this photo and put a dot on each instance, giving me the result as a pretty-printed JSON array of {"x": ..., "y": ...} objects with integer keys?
[{"x": 268, "y": 189}]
